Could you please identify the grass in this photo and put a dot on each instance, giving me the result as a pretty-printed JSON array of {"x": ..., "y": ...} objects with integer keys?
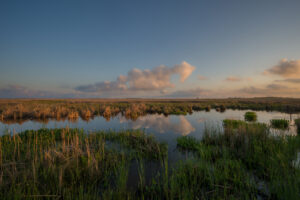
[
  {"x": 233, "y": 123},
  {"x": 69, "y": 164},
  {"x": 280, "y": 123},
  {"x": 250, "y": 116},
  {"x": 244, "y": 161},
  {"x": 244, "y": 164},
  {"x": 20, "y": 110}
]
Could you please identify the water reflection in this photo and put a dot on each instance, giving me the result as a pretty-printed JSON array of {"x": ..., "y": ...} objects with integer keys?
[
  {"x": 172, "y": 126},
  {"x": 162, "y": 124}
]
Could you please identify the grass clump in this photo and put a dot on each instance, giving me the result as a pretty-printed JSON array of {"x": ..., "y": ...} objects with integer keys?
[
  {"x": 280, "y": 123},
  {"x": 232, "y": 123},
  {"x": 250, "y": 116}
]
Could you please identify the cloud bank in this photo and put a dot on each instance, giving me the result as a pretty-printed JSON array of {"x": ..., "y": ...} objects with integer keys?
[
  {"x": 190, "y": 93},
  {"x": 290, "y": 80},
  {"x": 202, "y": 78},
  {"x": 285, "y": 68},
  {"x": 157, "y": 79},
  {"x": 18, "y": 91},
  {"x": 233, "y": 79}
]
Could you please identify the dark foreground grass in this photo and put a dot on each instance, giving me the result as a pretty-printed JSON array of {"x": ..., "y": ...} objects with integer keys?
[
  {"x": 243, "y": 162},
  {"x": 69, "y": 164}
]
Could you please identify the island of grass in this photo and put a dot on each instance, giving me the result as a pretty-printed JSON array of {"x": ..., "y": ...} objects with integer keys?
[
  {"x": 250, "y": 116},
  {"x": 280, "y": 123}
]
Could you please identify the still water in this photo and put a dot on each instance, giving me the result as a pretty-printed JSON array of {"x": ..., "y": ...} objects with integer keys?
[{"x": 165, "y": 128}]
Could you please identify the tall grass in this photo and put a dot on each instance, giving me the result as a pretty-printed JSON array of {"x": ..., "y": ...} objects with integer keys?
[
  {"x": 242, "y": 162},
  {"x": 67, "y": 163}
]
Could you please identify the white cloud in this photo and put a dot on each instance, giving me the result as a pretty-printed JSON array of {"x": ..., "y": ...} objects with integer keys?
[
  {"x": 285, "y": 68},
  {"x": 157, "y": 79}
]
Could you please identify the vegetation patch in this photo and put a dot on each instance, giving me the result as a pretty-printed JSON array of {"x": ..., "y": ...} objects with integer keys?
[
  {"x": 232, "y": 123},
  {"x": 244, "y": 164},
  {"x": 280, "y": 123},
  {"x": 250, "y": 116},
  {"x": 20, "y": 110}
]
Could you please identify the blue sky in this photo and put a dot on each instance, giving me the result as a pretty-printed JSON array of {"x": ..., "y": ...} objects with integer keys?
[{"x": 54, "y": 48}]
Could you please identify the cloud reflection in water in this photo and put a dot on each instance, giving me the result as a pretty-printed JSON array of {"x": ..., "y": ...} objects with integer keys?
[{"x": 162, "y": 124}]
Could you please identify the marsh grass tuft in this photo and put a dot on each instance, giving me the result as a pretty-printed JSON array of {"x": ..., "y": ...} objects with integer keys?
[
  {"x": 280, "y": 123},
  {"x": 231, "y": 123},
  {"x": 250, "y": 116}
]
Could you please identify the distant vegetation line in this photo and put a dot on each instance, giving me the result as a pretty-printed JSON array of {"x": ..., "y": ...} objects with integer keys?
[{"x": 12, "y": 110}]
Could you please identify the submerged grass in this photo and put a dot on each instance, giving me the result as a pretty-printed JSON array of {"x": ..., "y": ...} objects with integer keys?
[
  {"x": 280, "y": 123},
  {"x": 242, "y": 162}
]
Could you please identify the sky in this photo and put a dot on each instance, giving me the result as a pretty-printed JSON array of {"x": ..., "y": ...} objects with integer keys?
[{"x": 149, "y": 49}]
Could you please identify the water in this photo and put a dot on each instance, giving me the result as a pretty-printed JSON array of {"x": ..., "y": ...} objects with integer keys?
[{"x": 165, "y": 128}]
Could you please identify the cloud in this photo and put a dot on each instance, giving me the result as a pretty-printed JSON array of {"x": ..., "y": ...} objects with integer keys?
[
  {"x": 270, "y": 90},
  {"x": 276, "y": 86},
  {"x": 233, "y": 79},
  {"x": 202, "y": 78},
  {"x": 18, "y": 91},
  {"x": 285, "y": 68},
  {"x": 190, "y": 93},
  {"x": 157, "y": 79},
  {"x": 163, "y": 124},
  {"x": 290, "y": 80}
]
